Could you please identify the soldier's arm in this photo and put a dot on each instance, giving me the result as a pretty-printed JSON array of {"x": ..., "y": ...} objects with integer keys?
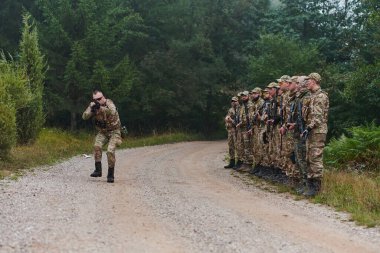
[
  {"x": 87, "y": 114},
  {"x": 317, "y": 110}
]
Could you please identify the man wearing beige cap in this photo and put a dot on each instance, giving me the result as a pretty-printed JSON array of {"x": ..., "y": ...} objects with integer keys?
[
  {"x": 245, "y": 126},
  {"x": 231, "y": 122},
  {"x": 316, "y": 129}
]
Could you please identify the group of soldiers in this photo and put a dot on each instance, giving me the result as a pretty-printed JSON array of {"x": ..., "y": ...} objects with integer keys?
[{"x": 279, "y": 133}]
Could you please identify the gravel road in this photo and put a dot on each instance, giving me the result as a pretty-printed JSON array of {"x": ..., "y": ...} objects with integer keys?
[{"x": 169, "y": 198}]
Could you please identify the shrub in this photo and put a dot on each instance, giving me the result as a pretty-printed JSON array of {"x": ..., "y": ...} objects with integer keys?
[{"x": 360, "y": 151}]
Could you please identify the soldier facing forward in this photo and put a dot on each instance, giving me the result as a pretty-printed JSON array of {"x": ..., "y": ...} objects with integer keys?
[{"x": 107, "y": 122}]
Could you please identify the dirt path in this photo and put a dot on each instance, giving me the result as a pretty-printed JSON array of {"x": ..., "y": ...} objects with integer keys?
[{"x": 170, "y": 198}]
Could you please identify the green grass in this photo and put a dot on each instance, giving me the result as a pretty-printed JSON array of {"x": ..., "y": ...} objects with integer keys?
[
  {"x": 357, "y": 194},
  {"x": 54, "y": 145}
]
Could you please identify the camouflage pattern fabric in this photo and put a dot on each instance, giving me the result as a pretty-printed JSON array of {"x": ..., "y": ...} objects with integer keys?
[
  {"x": 231, "y": 143},
  {"x": 106, "y": 118},
  {"x": 316, "y": 120},
  {"x": 113, "y": 138}
]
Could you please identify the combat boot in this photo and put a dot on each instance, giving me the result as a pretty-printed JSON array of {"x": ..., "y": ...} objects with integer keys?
[
  {"x": 255, "y": 170},
  {"x": 110, "y": 176},
  {"x": 301, "y": 187},
  {"x": 238, "y": 165},
  {"x": 313, "y": 187},
  {"x": 231, "y": 164},
  {"x": 98, "y": 170}
]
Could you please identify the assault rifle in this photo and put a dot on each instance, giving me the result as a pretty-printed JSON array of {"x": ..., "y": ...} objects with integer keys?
[{"x": 300, "y": 122}]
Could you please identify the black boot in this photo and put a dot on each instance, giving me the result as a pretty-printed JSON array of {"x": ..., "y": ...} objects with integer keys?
[
  {"x": 110, "y": 176},
  {"x": 313, "y": 187},
  {"x": 230, "y": 165},
  {"x": 98, "y": 170},
  {"x": 255, "y": 170},
  {"x": 238, "y": 165}
]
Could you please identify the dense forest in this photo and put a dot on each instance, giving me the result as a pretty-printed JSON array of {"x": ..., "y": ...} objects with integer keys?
[{"x": 174, "y": 64}]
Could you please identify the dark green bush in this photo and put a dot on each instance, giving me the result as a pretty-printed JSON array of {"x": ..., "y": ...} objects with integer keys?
[{"x": 360, "y": 151}]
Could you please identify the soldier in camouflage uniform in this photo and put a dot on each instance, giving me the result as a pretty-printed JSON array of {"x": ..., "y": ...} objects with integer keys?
[
  {"x": 230, "y": 121},
  {"x": 272, "y": 122},
  {"x": 284, "y": 83},
  {"x": 316, "y": 129},
  {"x": 296, "y": 123},
  {"x": 256, "y": 129},
  {"x": 239, "y": 137},
  {"x": 107, "y": 122},
  {"x": 245, "y": 127},
  {"x": 288, "y": 136}
]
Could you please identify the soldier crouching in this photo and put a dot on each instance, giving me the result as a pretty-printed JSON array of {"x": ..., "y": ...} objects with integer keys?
[{"x": 107, "y": 122}]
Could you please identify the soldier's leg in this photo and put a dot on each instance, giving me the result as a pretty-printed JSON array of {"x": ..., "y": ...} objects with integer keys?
[
  {"x": 114, "y": 141},
  {"x": 100, "y": 140},
  {"x": 247, "y": 148},
  {"x": 231, "y": 148},
  {"x": 315, "y": 145}
]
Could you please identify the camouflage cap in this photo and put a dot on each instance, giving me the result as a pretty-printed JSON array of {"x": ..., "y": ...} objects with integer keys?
[
  {"x": 302, "y": 81},
  {"x": 294, "y": 79},
  {"x": 284, "y": 78},
  {"x": 315, "y": 76},
  {"x": 256, "y": 90},
  {"x": 266, "y": 90},
  {"x": 239, "y": 94},
  {"x": 245, "y": 93},
  {"x": 234, "y": 99},
  {"x": 273, "y": 85}
]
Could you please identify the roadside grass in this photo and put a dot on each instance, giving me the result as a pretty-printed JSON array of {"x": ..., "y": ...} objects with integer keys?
[
  {"x": 54, "y": 145},
  {"x": 358, "y": 194}
]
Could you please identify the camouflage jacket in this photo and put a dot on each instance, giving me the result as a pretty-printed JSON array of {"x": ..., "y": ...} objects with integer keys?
[
  {"x": 257, "y": 105},
  {"x": 298, "y": 108},
  {"x": 245, "y": 113},
  {"x": 233, "y": 114},
  {"x": 317, "y": 113},
  {"x": 106, "y": 118}
]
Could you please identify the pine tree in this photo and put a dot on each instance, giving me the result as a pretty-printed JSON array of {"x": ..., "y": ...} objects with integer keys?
[{"x": 31, "y": 118}]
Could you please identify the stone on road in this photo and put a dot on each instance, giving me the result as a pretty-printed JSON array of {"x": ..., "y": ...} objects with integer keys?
[{"x": 168, "y": 198}]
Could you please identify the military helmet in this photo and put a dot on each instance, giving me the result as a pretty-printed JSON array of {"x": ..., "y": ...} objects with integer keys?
[
  {"x": 315, "y": 76},
  {"x": 284, "y": 78},
  {"x": 273, "y": 85}
]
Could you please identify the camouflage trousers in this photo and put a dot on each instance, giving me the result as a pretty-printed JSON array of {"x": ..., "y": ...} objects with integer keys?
[
  {"x": 113, "y": 138},
  {"x": 288, "y": 155},
  {"x": 273, "y": 148},
  {"x": 315, "y": 144},
  {"x": 300, "y": 157},
  {"x": 231, "y": 143},
  {"x": 256, "y": 145},
  {"x": 239, "y": 145},
  {"x": 263, "y": 156},
  {"x": 247, "y": 144}
]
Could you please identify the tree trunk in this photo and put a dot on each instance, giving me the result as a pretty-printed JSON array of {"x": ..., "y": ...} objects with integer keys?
[{"x": 73, "y": 121}]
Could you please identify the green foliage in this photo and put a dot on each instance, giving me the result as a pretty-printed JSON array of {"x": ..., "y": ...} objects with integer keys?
[
  {"x": 7, "y": 128},
  {"x": 30, "y": 119},
  {"x": 14, "y": 95},
  {"x": 278, "y": 55},
  {"x": 360, "y": 151}
]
